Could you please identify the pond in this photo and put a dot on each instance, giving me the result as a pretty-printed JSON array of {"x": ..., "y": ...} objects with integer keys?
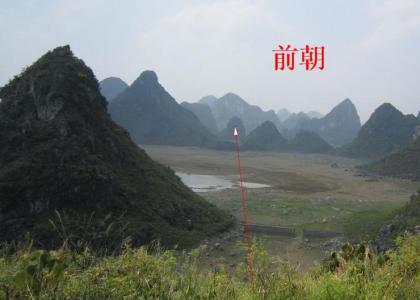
[{"x": 207, "y": 183}]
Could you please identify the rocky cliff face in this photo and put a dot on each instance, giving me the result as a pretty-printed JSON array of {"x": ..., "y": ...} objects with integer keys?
[
  {"x": 59, "y": 150},
  {"x": 406, "y": 220}
]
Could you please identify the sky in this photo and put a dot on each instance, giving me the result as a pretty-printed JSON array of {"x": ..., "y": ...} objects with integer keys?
[{"x": 199, "y": 48}]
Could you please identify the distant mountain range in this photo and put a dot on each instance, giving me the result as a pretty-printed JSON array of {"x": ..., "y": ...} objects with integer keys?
[
  {"x": 386, "y": 131},
  {"x": 294, "y": 120},
  {"x": 314, "y": 114},
  {"x": 265, "y": 137},
  {"x": 340, "y": 126},
  {"x": 283, "y": 114},
  {"x": 231, "y": 105},
  {"x": 111, "y": 87},
  {"x": 308, "y": 142},
  {"x": 152, "y": 116},
  {"x": 204, "y": 114}
]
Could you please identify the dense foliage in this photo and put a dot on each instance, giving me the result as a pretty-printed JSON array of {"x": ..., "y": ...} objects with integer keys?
[
  {"x": 354, "y": 272},
  {"x": 59, "y": 150},
  {"x": 404, "y": 163}
]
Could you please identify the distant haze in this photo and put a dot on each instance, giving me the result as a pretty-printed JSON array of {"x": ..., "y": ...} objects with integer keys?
[{"x": 203, "y": 48}]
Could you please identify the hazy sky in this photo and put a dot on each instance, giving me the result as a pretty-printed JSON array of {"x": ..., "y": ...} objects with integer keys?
[{"x": 199, "y": 48}]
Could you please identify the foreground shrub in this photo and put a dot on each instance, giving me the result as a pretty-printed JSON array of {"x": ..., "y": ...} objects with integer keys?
[{"x": 352, "y": 273}]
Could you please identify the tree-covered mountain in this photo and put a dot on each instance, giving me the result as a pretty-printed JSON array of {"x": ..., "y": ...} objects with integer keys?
[
  {"x": 204, "y": 114},
  {"x": 59, "y": 150},
  {"x": 231, "y": 105},
  {"x": 111, "y": 87},
  {"x": 386, "y": 131},
  {"x": 227, "y": 133},
  {"x": 265, "y": 137},
  {"x": 404, "y": 163},
  {"x": 308, "y": 142},
  {"x": 340, "y": 126},
  {"x": 152, "y": 116}
]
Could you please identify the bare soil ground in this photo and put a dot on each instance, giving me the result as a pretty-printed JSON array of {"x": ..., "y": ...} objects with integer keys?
[{"x": 308, "y": 192}]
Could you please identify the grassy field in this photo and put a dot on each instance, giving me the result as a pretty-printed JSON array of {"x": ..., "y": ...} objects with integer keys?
[{"x": 308, "y": 192}]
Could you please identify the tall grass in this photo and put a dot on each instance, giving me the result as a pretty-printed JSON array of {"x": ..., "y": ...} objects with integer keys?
[{"x": 352, "y": 273}]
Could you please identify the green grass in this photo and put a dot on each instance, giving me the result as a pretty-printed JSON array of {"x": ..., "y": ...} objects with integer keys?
[
  {"x": 352, "y": 273},
  {"x": 356, "y": 218}
]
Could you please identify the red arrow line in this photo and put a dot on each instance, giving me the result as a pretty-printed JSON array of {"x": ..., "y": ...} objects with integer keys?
[{"x": 244, "y": 210}]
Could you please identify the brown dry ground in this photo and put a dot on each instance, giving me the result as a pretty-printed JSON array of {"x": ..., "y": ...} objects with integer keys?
[{"x": 306, "y": 193}]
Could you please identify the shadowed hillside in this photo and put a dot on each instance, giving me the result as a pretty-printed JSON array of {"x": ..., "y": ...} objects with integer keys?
[
  {"x": 59, "y": 150},
  {"x": 227, "y": 133},
  {"x": 152, "y": 116},
  {"x": 265, "y": 137},
  {"x": 404, "y": 163},
  {"x": 204, "y": 114},
  {"x": 308, "y": 142},
  {"x": 386, "y": 131}
]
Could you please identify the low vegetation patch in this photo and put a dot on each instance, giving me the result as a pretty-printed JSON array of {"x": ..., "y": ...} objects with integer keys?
[{"x": 354, "y": 272}]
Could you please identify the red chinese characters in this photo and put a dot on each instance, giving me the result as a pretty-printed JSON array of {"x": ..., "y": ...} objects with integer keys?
[{"x": 310, "y": 58}]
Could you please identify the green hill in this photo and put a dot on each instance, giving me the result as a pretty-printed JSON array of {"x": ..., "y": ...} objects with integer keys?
[
  {"x": 386, "y": 131},
  {"x": 152, "y": 116},
  {"x": 265, "y": 137},
  {"x": 404, "y": 163},
  {"x": 308, "y": 142},
  {"x": 59, "y": 150}
]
